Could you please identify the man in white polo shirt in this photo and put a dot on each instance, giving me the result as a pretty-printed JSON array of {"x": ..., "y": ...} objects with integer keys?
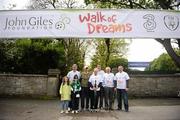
[
  {"x": 73, "y": 72},
  {"x": 108, "y": 82},
  {"x": 71, "y": 75},
  {"x": 122, "y": 85}
]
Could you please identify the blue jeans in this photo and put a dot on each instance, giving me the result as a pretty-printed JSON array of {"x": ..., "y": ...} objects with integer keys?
[
  {"x": 64, "y": 104},
  {"x": 122, "y": 94}
]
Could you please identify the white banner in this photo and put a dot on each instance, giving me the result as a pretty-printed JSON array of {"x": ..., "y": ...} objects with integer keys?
[{"x": 120, "y": 23}]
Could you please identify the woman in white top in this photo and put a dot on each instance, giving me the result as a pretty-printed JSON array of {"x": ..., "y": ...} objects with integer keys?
[
  {"x": 95, "y": 83},
  {"x": 108, "y": 82}
]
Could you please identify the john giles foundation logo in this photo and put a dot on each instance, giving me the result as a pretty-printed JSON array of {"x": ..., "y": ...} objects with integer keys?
[
  {"x": 35, "y": 23},
  {"x": 31, "y": 23}
]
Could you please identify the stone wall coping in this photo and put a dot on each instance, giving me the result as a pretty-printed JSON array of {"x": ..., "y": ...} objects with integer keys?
[
  {"x": 131, "y": 75},
  {"x": 154, "y": 75},
  {"x": 23, "y": 75}
]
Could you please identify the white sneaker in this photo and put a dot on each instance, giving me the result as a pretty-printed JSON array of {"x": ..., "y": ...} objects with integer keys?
[
  {"x": 62, "y": 111},
  {"x": 66, "y": 111},
  {"x": 69, "y": 109},
  {"x": 72, "y": 111},
  {"x": 76, "y": 111}
]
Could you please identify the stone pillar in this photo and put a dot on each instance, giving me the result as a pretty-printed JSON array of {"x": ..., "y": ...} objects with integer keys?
[{"x": 53, "y": 82}]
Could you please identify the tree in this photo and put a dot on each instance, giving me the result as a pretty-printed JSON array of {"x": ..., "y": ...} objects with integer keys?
[
  {"x": 73, "y": 47},
  {"x": 117, "y": 49},
  {"x": 162, "y": 63},
  {"x": 6, "y": 55},
  {"x": 115, "y": 62},
  {"x": 31, "y": 56},
  {"x": 75, "y": 51},
  {"x": 52, "y": 4},
  {"x": 145, "y": 4}
]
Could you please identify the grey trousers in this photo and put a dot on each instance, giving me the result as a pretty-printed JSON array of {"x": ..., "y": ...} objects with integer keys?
[{"x": 109, "y": 93}]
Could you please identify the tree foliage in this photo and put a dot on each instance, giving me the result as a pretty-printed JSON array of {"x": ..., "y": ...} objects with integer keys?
[
  {"x": 117, "y": 50},
  {"x": 115, "y": 62},
  {"x": 75, "y": 50},
  {"x": 31, "y": 56},
  {"x": 163, "y": 63}
]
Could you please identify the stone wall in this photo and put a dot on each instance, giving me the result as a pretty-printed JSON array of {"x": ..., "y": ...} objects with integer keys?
[
  {"x": 44, "y": 85},
  {"x": 27, "y": 85},
  {"x": 154, "y": 85}
]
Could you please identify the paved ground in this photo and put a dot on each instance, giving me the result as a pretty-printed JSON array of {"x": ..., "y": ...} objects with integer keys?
[{"x": 140, "y": 109}]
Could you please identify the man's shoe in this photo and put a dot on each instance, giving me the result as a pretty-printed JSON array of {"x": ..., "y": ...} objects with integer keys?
[
  {"x": 119, "y": 109},
  {"x": 87, "y": 109},
  {"x": 82, "y": 110},
  {"x": 106, "y": 108},
  {"x": 126, "y": 110}
]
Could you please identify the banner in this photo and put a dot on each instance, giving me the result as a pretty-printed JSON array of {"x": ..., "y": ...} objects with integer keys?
[{"x": 120, "y": 23}]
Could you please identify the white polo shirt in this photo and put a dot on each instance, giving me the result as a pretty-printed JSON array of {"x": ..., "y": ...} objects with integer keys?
[
  {"x": 95, "y": 79},
  {"x": 108, "y": 80},
  {"x": 101, "y": 73},
  {"x": 71, "y": 75},
  {"x": 121, "y": 79}
]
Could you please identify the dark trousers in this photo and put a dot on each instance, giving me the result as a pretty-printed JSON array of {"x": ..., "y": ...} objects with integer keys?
[
  {"x": 94, "y": 99},
  {"x": 101, "y": 97},
  {"x": 70, "y": 102},
  {"x": 75, "y": 101},
  {"x": 109, "y": 94},
  {"x": 122, "y": 94},
  {"x": 85, "y": 97}
]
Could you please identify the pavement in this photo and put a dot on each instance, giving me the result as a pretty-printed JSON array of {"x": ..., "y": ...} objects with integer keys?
[{"x": 140, "y": 109}]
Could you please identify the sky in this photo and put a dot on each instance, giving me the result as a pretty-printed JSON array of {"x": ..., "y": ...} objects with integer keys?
[
  {"x": 144, "y": 50},
  {"x": 20, "y": 4},
  {"x": 140, "y": 50}
]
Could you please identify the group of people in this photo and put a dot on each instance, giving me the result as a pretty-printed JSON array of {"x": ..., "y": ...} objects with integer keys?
[{"x": 96, "y": 88}]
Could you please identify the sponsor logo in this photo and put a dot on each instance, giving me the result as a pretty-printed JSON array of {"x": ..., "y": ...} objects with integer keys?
[
  {"x": 61, "y": 25},
  {"x": 34, "y": 23},
  {"x": 171, "y": 22},
  {"x": 31, "y": 23},
  {"x": 150, "y": 23}
]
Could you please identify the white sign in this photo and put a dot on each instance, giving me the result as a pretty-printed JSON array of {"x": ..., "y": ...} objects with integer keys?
[{"x": 120, "y": 23}]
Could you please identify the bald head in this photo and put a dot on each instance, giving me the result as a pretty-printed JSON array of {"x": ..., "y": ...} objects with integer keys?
[
  {"x": 74, "y": 67},
  {"x": 108, "y": 69},
  {"x": 120, "y": 68},
  {"x": 99, "y": 67},
  {"x": 95, "y": 71}
]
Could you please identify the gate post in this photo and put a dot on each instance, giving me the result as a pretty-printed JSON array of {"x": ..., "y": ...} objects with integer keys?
[{"x": 53, "y": 82}]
